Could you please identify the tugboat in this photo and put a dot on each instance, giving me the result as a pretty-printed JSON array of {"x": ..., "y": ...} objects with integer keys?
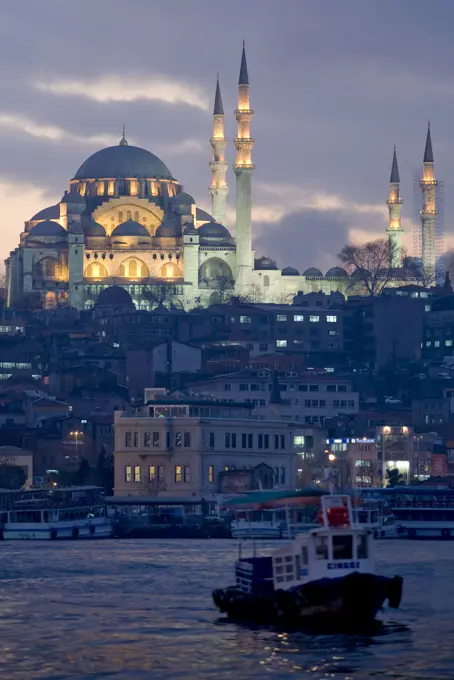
[{"x": 326, "y": 576}]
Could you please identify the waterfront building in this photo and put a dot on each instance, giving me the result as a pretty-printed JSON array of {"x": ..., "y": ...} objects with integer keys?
[{"x": 176, "y": 445}]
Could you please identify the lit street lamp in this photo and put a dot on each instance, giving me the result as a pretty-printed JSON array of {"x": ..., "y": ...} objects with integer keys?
[{"x": 76, "y": 434}]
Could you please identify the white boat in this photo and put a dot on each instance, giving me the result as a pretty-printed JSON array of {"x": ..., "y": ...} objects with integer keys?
[
  {"x": 244, "y": 529},
  {"x": 371, "y": 517},
  {"x": 62, "y": 513},
  {"x": 326, "y": 576},
  {"x": 423, "y": 511}
]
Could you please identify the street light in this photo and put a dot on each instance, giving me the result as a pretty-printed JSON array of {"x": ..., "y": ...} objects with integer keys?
[{"x": 76, "y": 434}]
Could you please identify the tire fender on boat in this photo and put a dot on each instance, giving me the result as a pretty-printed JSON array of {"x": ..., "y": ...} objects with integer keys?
[
  {"x": 53, "y": 533},
  {"x": 75, "y": 532},
  {"x": 92, "y": 529}
]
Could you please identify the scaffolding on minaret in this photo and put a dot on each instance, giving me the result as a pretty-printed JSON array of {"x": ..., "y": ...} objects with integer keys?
[{"x": 418, "y": 205}]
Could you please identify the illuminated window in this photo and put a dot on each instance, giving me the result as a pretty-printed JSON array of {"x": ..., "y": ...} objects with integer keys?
[
  {"x": 128, "y": 473},
  {"x": 151, "y": 473},
  {"x": 111, "y": 188},
  {"x": 133, "y": 187},
  {"x": 211, "y": 474},
  {"x": 245, "y": 319},
  {"x": 281, "y": 317},
  {"x": 128, "y": 214},
  {"x": 178, "y": 473},
  {"x": 298, "y": 317},
  {"x": 132, "y": 268},
  {"x": 448, "y": 343},
  {"x": 313, "y": 318},
  {"x": 281, "y": 343},
  {"x": 137, "y": 473},
  {"x": 120, "y": 216},
  {"x": 136, "y": 216},
  {"x": 298, "y": 440},
  {"x": 100, "y": 189}
]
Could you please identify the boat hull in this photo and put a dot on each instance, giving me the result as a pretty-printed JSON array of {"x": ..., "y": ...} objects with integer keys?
[
  {"x": 350, "y": 601},
  {"x": 77, "y": 529}
]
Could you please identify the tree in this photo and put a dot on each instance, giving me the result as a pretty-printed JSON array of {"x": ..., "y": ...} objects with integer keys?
[
  {"x": 105, "y": 471},
  {"x": 153, "y": 487},
  {"x": 394, "y": 477},
  {"x": 161, "y": 294},
  {"x": 12, "y": 476},
  {"x": 223, "y": 289},
  {"x": 369, "y": 264},
  {"x": 83, "y": 474},
  {"x": 252, "y": 295}
]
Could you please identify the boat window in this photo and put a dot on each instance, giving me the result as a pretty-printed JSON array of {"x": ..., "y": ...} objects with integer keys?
[
  {"x": 321, "y": 547},
  {"x": 362, "y": 547},
  {"x": 343, "y": 547},
  {"x": 304, "y": 555}
]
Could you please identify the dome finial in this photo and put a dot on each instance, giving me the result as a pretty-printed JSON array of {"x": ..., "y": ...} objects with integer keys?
[{"x": 123, "y": 140}]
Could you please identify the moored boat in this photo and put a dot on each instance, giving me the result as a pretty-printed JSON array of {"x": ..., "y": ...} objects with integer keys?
[
  {"x": 62, "y": 513},
  {"x": 326, "y": 576}
]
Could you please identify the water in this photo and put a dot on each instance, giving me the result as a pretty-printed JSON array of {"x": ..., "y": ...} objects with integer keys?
[{"x": 126, "y": 610}]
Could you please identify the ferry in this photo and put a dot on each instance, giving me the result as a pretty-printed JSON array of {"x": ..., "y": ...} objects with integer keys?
[
  {"x": 423, "y": 511},
  {"x": 326, "y": 576},
  {"x": 58, "y": 513}
]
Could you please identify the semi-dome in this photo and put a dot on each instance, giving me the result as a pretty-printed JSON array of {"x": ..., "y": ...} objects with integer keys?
[
  {"x": 313, "y": 271},
  {"x": 48, "y": 228},
  {"x": 52, "y": 212},
  {"x": 336, "y": 272},
  {"x": 123, "y": 161},
  {"x": 170, "y": 228},
  {"x": 265, "y": 263},
  {"x": 214, "y": 230},
  {"x": 130, "y": 228},
  {"x": 290, "y": 271},
  {"x": 114, "y": 296},
  {"x": 182, "y": 198},
  {"x": 92, "y": 228},
  {"x": 203, "y": 216}
]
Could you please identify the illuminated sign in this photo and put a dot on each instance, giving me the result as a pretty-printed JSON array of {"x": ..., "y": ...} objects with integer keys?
[{"x": 343, "y": 565}]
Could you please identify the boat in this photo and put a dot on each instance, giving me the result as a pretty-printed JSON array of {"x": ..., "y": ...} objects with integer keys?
[
  {"x": 57, "y": 513},
  {"x": 325, "y": 576},
  {"x": 423, "y": 511},
  {"x": 256, "y": 525},
  {"x": 371, "y": 516}
]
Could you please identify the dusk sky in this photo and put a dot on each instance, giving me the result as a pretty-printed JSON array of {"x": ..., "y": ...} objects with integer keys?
[{"x": 334, "y": 85}]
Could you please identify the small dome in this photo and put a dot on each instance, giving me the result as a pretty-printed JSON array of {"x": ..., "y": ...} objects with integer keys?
[
  {"x": 92, "y": 228},
  {"x": 73, "y": 197},
  {"x": 265, "y": 263},
  {"x": 50, "y": 213},
  {"x": 170, "y": 228},
  {"x": 182, "y": 198},
  {"x": 114, "y": 296},
  {"x": 130, "y": 228},
  {"x": 312, "y": 272},
  {"x": 48, "y": 228},
  {"x": 121, "y": 162},
  {"x": 290, "y": 271},
  {"x": 203, "y": 216},
  {"x": 190, "y": 230},
  {"x": 336, "y": 272},
  {"x": 360, "y": 274},
  {"x": 214, "y": 231}
]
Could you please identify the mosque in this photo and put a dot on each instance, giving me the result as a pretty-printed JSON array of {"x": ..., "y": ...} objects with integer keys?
[{"x": 126, "y": 223}]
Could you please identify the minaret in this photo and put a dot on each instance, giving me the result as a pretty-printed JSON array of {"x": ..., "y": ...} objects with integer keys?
[
  {"x": 394, "y": 202},
  {"x": 243, "y": 170},
  {"x": 429, "y": 213},
  {"x": 219, "y": 187}
]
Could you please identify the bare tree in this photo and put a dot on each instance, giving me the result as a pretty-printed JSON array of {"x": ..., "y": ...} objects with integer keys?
[
  {"x": 160, "y": 294},
  {"x": 369, "y": 264},
  {"x": 153, "y": 487},
  {"x": 253, "y": 294}
]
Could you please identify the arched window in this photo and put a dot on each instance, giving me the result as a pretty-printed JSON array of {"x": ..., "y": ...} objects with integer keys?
[
  {"x": 170, "y": 271},
  {"x": 266, "y": 280},
  {"x": 132, "y": 268},
  {"x": 120, "y": 216},
  {"x": 50, "y": 300},
  {"x": 121, "y": 270},
  {"x": 96, "y": 270},
  {"x": 128, "y": 215},
  {"x": 136, "y": 216}
]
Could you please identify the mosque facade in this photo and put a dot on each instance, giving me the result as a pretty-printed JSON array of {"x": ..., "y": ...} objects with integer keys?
[{"x": 125, "y": 221}]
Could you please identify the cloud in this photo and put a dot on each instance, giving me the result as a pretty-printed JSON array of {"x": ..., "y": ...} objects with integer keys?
[
  {"x": 19, "y": 201},
  {"x": 186, "y": 146},
  {"x": 128, "y": 88},
  {"x": 20, "y": 123}
]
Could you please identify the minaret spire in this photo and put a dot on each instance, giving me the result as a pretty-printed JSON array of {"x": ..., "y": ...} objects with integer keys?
[
  {"x": 218, "y": 188},
  {"x": 394, "y": 202},
  {"x": 243, "y": 169},
  {"x": 429, "y": 212}
]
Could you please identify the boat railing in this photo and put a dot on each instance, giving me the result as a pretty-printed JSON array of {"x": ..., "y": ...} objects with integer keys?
[{"x": 420, "y": 504}]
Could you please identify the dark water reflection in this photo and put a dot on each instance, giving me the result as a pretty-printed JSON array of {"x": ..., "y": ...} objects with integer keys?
[{"x": 142, "y": 609}]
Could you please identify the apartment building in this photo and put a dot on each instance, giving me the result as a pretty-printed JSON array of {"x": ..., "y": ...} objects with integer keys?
[{"x": 179, "y": 446}]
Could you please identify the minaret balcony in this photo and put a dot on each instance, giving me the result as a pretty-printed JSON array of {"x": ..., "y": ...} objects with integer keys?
[
  {"x": 245, "y": 112},
  {"x": 243, "y": 142}
]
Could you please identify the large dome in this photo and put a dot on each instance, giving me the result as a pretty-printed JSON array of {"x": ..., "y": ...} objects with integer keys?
[
  {"x": 130, "y": 228},
  {"x": 114, "y": 296},
  {"x": 123, "y": 161}
]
